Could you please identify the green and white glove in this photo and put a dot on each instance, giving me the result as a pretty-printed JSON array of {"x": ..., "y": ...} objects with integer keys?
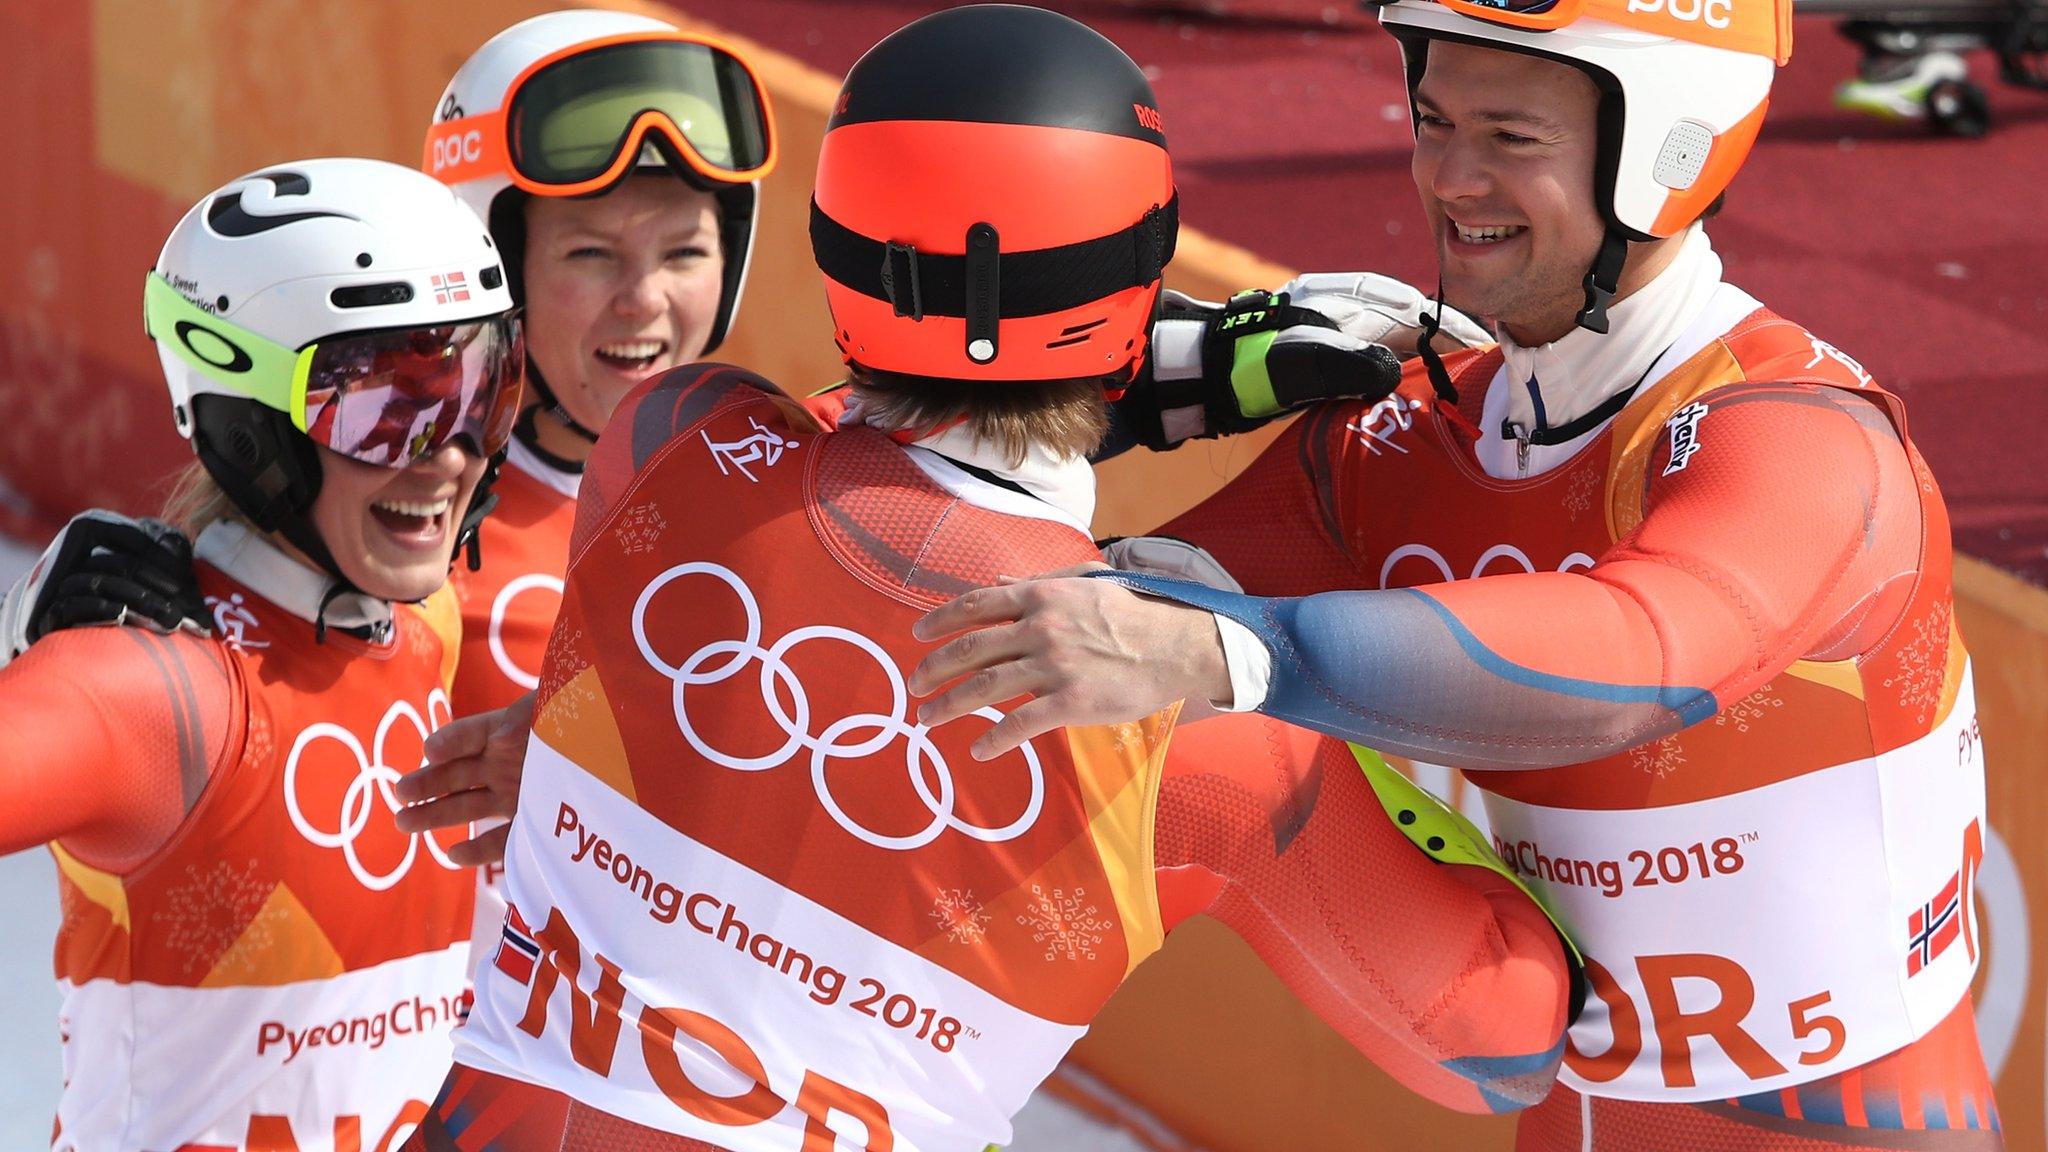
[{"x": 1219, "y": 369}]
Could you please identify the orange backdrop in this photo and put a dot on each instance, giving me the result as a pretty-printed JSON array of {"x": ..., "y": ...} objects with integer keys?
[{"x": 126, "y": 111}]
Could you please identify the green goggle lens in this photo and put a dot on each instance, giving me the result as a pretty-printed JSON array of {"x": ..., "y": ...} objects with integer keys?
[{"x": 570, "y": 121}]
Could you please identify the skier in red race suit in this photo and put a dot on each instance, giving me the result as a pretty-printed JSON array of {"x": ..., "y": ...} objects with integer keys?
[
  {"x": 253, "y": 955},
  {"x": 754, "y": 906},
  {"x": 1662, "y": 573}
]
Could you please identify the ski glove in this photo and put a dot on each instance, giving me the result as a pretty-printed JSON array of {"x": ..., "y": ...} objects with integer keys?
[
  {"x": 104, "y": 568},
  {"x": 1219, "y": 369}
]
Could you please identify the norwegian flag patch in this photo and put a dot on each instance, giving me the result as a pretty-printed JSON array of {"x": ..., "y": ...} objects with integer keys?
[
  {"x": 1933, "y": 926},
  {"x": 518, "y": 951},
  {"x": 450, "y": 287}
]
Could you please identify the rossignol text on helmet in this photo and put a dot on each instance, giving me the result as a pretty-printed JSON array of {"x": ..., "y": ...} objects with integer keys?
[
  {"x": 345, "y": 304},
  {"x": 1683, "y": 83},
  {"x": 994, "y": 201},
  {"x": 571, "y": 103}
]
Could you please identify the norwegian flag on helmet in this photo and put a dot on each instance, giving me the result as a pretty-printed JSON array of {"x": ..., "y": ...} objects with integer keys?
[
  {"x": 450, "y": 287},
  {"x": 1933, "y": 926},
  {"x": 517, "y": 949}
]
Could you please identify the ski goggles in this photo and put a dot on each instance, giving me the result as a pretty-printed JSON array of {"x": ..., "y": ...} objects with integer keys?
[
  {"x": 386, "y": 397},
  {"x": 576, "y": 122},
  {"x": 1761, "y": 29}
]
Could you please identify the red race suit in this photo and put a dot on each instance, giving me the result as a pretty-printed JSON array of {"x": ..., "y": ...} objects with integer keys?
[
  {"x": 1705, "y": 671},
  {"x": 754, "y": 905},
  {"x": 252, "y": 955}
]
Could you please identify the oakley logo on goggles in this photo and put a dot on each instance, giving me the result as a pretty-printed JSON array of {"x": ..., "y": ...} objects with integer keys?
[
  {"x": 383, "y": 397},
  {"x": 576, "y": 122}
]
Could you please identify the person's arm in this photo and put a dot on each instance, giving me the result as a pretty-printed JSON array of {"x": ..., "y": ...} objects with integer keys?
[
  {"x": 1446, "y": 976},
  {"x": 108, "y": 737},
  {"x": 1791, "y": 532}
]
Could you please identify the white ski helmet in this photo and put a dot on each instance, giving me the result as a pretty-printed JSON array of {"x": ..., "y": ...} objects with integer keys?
[
  {"x": 570, "y": 103},
  {"x": 342, "y": 303},
  {"x": 1683, "y": 84}
]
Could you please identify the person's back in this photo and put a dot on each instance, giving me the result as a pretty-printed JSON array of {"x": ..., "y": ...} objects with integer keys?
[
  {"x": 755, "y": 904},
  {"x": 726, "y": 782},
  {"x": 752, "y": 899}
]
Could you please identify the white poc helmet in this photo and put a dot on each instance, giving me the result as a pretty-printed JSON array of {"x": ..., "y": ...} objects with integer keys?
[
  {"x": 570, "y": 103},
  {"x": 349, "y": 304},
  {"x": 1684, "y": 85}
]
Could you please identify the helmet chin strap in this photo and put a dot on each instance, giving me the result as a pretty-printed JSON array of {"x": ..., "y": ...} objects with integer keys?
[
  {"x": 1439, "y": 378},
  {"x": 549, "y": 403},
  {"x": 1602, "y": 281}
]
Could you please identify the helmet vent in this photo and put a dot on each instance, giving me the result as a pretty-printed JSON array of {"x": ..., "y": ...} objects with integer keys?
[
  {"x": 1077, "y": 333},
  {"x": 371, "y": 295},
  {"x": 242, "y": 446},
  {"x": 1684, "y": 155}
]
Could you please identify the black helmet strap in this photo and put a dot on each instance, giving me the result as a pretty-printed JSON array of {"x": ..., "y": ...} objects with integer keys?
[
  {"x": 1603, "y": 279},
  {"x": 919, "y": 284}
]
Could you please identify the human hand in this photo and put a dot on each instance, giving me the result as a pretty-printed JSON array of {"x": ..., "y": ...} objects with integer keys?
[
  {"x": 1086, "y": 651},
  {"x": 471, "y": 776}
]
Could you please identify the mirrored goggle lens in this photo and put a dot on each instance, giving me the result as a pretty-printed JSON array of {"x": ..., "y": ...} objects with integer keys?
[
  {"x": 389, "y": 398},
  {"x": 571, "y": 120}
]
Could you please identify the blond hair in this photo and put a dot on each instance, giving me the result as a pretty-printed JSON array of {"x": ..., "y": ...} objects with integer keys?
[
  {"x": 1064, "y": 417},
  {"x": 196, "y": 500}
]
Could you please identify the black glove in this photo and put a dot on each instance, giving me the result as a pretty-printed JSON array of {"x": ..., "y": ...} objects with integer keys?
[
  {"x": 1220, "y": 369},
  {"x": 105, "y": 568}
]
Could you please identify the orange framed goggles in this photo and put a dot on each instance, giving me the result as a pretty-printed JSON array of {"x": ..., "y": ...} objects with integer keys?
[
  {"x": 1761, "y": 29},
  {"x": 575, "y": 122}
]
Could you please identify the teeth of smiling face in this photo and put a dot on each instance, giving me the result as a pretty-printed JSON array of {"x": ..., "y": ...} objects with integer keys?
[
  {"x": 431, "y": 509},
  {"x": 1490, "y": 234},
  {"x": 632, "y": 349}
]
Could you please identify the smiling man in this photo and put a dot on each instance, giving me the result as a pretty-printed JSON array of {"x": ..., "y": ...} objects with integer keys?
[{"x": 1662, "y": 573}]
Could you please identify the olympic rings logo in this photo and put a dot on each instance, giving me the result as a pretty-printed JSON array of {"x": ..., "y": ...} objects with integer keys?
[
  {"x": 373, "y": 778},
  {"x": 920, "y": 754},
  {"x": 1497, "y": 552},
  {"x": 501, "y": 607}
]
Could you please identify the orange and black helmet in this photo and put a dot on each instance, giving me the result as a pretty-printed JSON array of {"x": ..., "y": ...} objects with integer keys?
[{"x": 994, "y": 201}]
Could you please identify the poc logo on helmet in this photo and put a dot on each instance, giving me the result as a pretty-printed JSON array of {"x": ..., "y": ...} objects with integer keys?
[
  {"x": 1712, "y": 13},
  {"x": 449, "y": 151}
]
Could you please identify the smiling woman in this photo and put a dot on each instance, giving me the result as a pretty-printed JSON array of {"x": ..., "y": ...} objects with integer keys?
[
  {"x": 617, "y": 161},
  {"x": 621, "y": 287},
  {"x": 339, "y": 348}
]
